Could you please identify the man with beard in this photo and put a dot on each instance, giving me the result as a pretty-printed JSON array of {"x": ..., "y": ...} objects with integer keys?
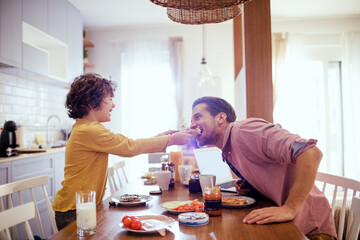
[{"x": 270, "y": 161}]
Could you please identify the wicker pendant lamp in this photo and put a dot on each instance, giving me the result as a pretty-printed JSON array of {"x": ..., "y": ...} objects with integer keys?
[
  {"x": 216, "y": 15},
  {"x": 201, "y": 11}
]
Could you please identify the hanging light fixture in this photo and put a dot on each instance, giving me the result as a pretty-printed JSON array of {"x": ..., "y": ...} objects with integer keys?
[
  {"x": 207, "y": 83},
  {"x": 216, "y": 15},
  {"x": 201, "y": 11}
]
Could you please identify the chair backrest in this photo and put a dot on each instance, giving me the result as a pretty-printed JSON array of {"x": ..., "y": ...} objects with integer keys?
[
  {"x": 354, "y": 220},
  {"x": 17, "y": 215},
  {"x": 346, "y": 184},
  {"x": 19, "y": 188},
  {"x": 115, "y": 183}
]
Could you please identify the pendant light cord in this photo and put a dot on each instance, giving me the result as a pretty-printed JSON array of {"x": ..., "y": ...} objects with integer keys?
[{"x": 203, "y": 60}]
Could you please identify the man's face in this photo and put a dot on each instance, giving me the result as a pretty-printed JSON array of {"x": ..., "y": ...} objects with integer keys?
[
  {"x": 103, "y": 114},
  {"x": 203, "y": 120}
]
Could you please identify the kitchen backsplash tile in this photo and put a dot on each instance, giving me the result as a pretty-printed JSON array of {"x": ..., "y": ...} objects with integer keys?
[{"x": 30, "y": 103}]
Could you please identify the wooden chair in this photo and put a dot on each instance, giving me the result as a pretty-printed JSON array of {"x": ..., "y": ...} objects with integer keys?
[
  {"x": 113, "y": 182},
  {"x": 354, "y": 220},
  {"x": 347, "y": 185},
  {"x": 20, "y": 188},
  {"x": 17, "y": 215}
]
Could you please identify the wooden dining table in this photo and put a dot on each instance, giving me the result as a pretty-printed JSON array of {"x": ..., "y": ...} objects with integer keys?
[{"x": 227, "y": 226}]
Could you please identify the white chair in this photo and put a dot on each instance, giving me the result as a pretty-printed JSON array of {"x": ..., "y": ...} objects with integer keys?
[
  {"x": 354, "y": 220},
  {"x": 17, "y": 215},
  {"x": 20, "y": 188},
  {"x": 113, "y": 182},
  {"x": 346, "y": 185}
]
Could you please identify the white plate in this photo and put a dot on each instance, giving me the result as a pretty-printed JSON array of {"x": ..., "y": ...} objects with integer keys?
[
  {"x": 143, "y": 200},
  {"x": 153, "y": 223},
  {"x": 173, "y": 204},
  {"x": 249, "y": 201}
]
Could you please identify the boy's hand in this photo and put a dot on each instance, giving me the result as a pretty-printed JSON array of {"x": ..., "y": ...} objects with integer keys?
[{"x": 180, "y": 138}]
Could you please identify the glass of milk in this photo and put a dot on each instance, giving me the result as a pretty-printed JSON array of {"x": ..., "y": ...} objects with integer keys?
[{"x": 86, "y": 212}]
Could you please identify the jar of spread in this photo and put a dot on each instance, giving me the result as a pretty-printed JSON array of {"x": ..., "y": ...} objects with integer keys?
[
  {"x": 212, "y": 197},
  {"x": 194, "y": 184}
]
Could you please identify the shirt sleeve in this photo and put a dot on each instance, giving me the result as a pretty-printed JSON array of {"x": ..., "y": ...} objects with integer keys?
[
  {"x": 100, "y": 139},
  {"x": 266, "y": 141}
]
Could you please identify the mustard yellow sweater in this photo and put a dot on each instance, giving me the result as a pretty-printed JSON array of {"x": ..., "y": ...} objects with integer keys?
[{"x": 86, "y": 159}]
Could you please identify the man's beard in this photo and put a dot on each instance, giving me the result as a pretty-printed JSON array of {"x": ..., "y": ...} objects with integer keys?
[{"x": 212, "y": 140}]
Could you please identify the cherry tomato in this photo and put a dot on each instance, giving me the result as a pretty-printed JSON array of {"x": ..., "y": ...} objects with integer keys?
[
  {"x": 127, "y": 221},
  {"x": 126, "y": 216},
  {"x": 136, "y": 225}
]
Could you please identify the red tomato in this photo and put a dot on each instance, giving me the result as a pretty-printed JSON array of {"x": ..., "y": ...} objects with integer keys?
[
  {"x": 127, "y": 221},
  {"x": 201, "y": 205},
  {"x": 181, "y": 208},
  {"x": 199, "y": 210},
  {"x": 126, "y": 216},
  {"x": 136, "y": 225}
]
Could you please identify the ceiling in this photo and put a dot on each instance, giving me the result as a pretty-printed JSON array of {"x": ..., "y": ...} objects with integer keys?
[{"x": 124, "y": 13}]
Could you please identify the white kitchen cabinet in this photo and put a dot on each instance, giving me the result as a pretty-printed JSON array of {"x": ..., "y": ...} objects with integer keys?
[
  {"x": 35, "y": 13},
  {"x": 59, "y": 169},
  {"x": 5, "y": 172},
  {"x": 75, "y": 43},
  {"x": 35, "y": 60},
  {"x": 11, "y": 32},
  {"x": 57, "y": 19}
]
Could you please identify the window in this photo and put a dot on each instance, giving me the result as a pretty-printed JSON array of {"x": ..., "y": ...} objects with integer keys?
[
  {"x": 147, "y": 95},
  {"x": 316, "y": 97}
]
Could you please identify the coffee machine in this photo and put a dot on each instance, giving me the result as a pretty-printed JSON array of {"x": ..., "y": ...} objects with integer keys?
[{"x": 8, "y": 140}]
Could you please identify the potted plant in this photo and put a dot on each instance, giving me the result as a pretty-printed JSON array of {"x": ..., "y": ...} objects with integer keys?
[{"x": 86, "y": 55}]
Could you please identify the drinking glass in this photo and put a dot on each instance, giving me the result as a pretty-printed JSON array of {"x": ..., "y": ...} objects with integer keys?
[{"x": 86, "y": 213}]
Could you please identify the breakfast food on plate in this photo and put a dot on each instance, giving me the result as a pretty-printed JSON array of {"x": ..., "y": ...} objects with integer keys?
[
  {"x": 182, "y": 206},
  {"x": 132, "y": 222},
  {"x": 233, "y": 201},
  {"x": 130, "y": 198}
]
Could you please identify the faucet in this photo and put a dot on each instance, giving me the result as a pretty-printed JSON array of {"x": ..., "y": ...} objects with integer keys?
[{"x": 47, "y": 126}]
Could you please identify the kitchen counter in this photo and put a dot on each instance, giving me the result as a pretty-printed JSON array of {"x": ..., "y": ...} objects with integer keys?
[{"x": 31, "y": 155}]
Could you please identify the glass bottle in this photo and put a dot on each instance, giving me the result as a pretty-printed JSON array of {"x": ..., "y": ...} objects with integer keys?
[
  {"x": 194, "y": 184},
  {"x": 212, "y": 199},
  {"x": 172, "y": 178}
]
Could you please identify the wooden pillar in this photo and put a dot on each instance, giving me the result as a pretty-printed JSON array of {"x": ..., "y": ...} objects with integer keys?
[{"x": 252, "y": 44}]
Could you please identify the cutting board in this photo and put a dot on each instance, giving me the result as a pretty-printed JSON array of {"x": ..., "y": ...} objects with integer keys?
[{"x": 31, "y": 150}]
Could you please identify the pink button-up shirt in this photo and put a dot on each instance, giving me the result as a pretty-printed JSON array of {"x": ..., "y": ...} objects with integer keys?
[{"x": 265, "y": 155}]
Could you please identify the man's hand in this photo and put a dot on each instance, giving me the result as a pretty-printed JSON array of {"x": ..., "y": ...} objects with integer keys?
[
  {"x": 269, "y": 215},
  {"x": 241, "y": 188}
]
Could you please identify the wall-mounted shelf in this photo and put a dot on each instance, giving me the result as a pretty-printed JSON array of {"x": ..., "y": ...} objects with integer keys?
[
  {"x": 87, "y": 44},
  {"x": 88, "y": 65}
]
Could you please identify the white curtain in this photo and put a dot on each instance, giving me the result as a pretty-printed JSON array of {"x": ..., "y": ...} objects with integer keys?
[
  {"x": 319, "y": 98},
  {"x": 176, "y": 49},
  {"x": 279, "y": 44},
  {"x": 351, "y": 86},
  {"x": 145, "y": 97},
  {"x": 147, "y": 91},
  {"x": 300, "y": 96}
]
